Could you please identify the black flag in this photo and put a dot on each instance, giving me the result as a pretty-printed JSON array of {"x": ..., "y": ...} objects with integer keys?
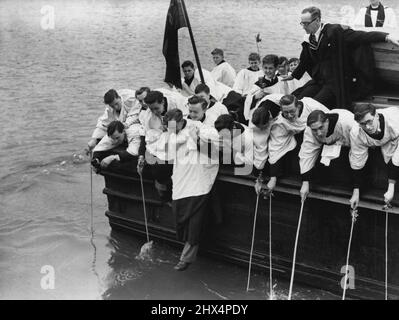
[{"x": 174, "y": 21}]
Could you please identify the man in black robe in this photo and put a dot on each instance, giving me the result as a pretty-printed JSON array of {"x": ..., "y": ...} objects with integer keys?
[{"x": 338, "y": 59}]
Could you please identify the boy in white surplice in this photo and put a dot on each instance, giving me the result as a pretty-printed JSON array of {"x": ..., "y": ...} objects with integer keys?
[{"x": 193, "y": 177}]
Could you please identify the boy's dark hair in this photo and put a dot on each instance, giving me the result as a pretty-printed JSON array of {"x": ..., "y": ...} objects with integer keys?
[
  {"x": 288, "y": 99},
  {"x": 115, "y": 126},
  {"x": 141, "y": 90},
  {"x": 271, "y": 59},
  {"x": 110, "y": 96},
  {"x": 361, "y": 109},
  {"x": 293, "y": 60},
  {"x": 218, "y": 51},
  {"x": 187, "y": 63},
  {"x": 202, "y": 87},
  {"x": 173, "y": 115},
  {"x": 315, "y": 116},
  {"x": 196, "y": 99},
  {"x": 282, "y": 59},
  {"x": 153, "y": 96},
  {"x": 224, "y": 121},
  {"x": 253, "y": 56},
  {"x": 261, "y": 115}
]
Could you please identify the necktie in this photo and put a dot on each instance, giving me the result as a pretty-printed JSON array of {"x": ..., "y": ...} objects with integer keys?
[{"x": 312, "y": 40}]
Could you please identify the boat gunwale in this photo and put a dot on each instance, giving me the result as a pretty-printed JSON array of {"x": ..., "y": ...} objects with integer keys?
[{"x": 291, "y": 186}]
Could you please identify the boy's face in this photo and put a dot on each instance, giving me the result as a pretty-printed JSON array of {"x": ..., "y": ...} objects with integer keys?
[
  {"x": 290, "y": 112},
  {"x": 156, "y": 108},
  {"x": 118, "y": 137},
  {"x": 269, "y": 69},
  {"x": 188, "y": 72},
  {"x": 293, "y": 65},
  {"x": 319, "y": 130},
  {"x": 217, "y": 58},
  {"x": 254, "y": 64},
  {"x": 369, "y": 123},
  {"x": 116, "y": 104},
  {"x": 283, "y": 68},
  {"x": 196, "y": 111}
]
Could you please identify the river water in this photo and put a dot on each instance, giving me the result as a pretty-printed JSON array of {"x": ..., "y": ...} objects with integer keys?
[{"x": 53, "y": 78}]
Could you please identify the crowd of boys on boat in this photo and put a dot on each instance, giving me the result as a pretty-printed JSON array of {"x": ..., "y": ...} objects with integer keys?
[{"x": 255, "y": 119}]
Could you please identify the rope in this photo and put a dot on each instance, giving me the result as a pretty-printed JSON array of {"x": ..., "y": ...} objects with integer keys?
[
  {"x": 296, "y": 245},
  {"x": 252, "y": 244},
  {"x": 270, "y": 248},
  {"x": 354, "y": 216},
  {"x": 145, "y": 211}
]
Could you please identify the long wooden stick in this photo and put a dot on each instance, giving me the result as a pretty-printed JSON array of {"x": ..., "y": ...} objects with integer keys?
[
  {"x": 386, "y": 254},
  {"x": 253, "y": 239},
  {"x": 270, "y": 248},
  {"x": 295, "y": 248},
  {"x": 91, "y": 195},
  {"x": 145, "y": 211},
  {"x": 354, "y": 215}
]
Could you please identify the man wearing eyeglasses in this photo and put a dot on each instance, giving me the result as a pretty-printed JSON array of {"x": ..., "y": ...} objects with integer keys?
[
  {"x": 287, "y": 128},
  {"x": 337, "y": 59},
  {"x": 375, "y": 129}
]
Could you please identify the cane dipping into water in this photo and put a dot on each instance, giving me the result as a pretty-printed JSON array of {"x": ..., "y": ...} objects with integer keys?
[
  {"x": 145, "y": 250},
  {"x": 386, "y": 208},
  {"x": 354, "y": 216},
  {"x": 271, "y": 294},
  {"x": 252, "y": 243},
  {"x": 295, "y": 248}
]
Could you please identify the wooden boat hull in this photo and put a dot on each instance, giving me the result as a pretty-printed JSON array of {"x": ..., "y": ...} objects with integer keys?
[
  {"x": 325, "y": 225},
  {"x": 323, "y": 239},
  {"x": 386, "y": 58}
]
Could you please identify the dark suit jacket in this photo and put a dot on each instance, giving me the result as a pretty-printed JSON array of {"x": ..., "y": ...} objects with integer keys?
[{"x": 342, "y": 55}]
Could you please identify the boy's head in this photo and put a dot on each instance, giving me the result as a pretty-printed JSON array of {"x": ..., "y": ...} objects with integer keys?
[
  {"x": 290, "y": 107},
  {"x": 293, "y": 63},
  {"x": 203, "y": 91},
  {"x": 217, "y": 55},
  {"x": 188, "y": 69},
  {"x": 116, "y": 131},
  {"x": 155, "y": 101},
  {"x": 254, "y": 61},
  {"x": 112, "y": 99},
  {"x": 318, "y": 122},
  {"x": 365, "y": 115},
  {"x": 283, "y": 66},
  {"x": 269, "y": 65},
  {"x": 141, "y": 93},
  {"x": 174, "y": 121},
  {"x": 197, "y": 107}
]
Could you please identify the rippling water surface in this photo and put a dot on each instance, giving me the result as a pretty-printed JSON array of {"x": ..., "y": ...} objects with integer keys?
[{"x": 52, "y": 83}]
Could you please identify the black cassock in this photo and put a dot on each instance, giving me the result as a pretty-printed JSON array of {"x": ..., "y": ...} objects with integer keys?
[{"x": 341, "y": 65}]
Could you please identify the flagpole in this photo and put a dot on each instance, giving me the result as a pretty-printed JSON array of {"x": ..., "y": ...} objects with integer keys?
[{"x": 192, "y": 41}]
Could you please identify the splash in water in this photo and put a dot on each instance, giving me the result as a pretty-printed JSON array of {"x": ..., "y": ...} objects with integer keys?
[{"x": 145, "y": 251}]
